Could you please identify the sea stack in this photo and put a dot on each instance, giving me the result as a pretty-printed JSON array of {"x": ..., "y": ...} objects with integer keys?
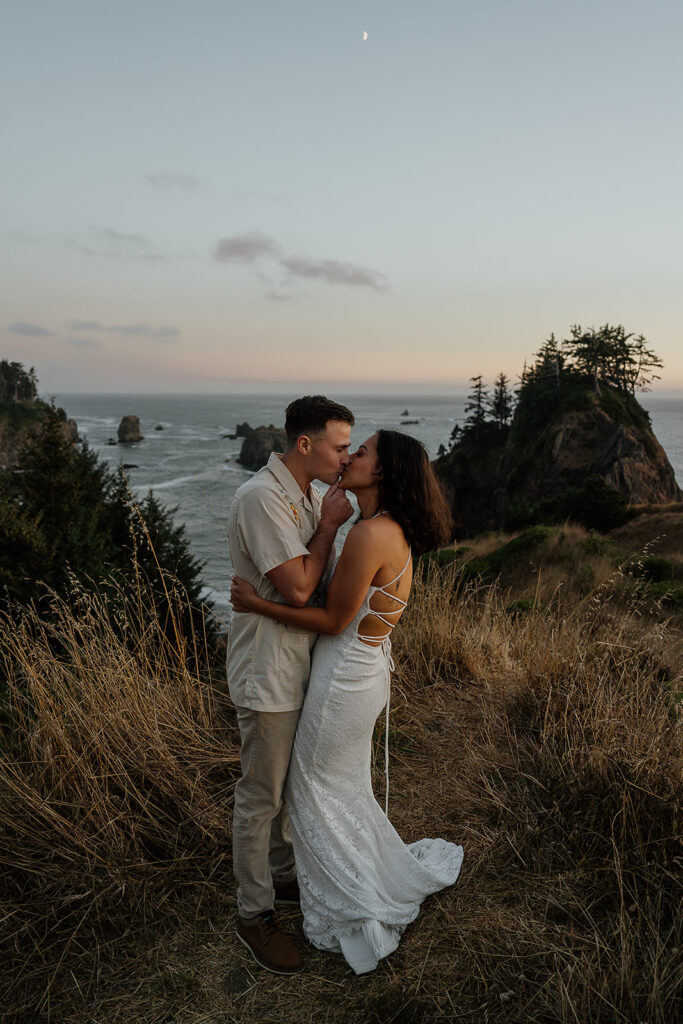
[
  {"x": 129, "y": 430},
  {"x": 258, "y": 445}
]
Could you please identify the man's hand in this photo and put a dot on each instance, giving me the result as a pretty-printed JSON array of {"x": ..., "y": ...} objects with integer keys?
[{"x": 336, "y": 507}]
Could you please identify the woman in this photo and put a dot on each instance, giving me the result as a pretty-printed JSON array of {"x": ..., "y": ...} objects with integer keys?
[{"x": 360, "y": 885}]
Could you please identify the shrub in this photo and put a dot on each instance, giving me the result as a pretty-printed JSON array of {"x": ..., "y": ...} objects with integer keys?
[{"x": 65, "y": 518}]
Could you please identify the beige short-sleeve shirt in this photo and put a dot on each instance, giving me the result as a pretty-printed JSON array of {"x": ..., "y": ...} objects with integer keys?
[{"x": 271, "y": 521}]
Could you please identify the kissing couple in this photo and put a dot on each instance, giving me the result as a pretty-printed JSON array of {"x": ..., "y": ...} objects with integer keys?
[{"x": 309, "y": 663}]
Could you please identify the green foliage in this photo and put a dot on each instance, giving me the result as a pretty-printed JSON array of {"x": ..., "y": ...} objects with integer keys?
[
  {"x": 596, "y": 544},
  {"x": 487, "y": 418},
  {"x": 23, "y": 549},
  {"x": 476, "y": 405},
  {"x": 64, "y": 490},
  {"x": 66, "y": 522},
  {"x": 502, "y": 403},
  {"x": 521, "y": 546},
  {"x": 666, "y": 593},
  {"x": 19, "y": 415},
  {"x": 439, "y": 559},
  {"x": 543, "y": 397},
  {"x": 490, "y": 566},
  {"x": 499, "y": 459},
  {"x": 521, "y": 606},
  {"x": 656, "y": 568},
  {"x": 624, "y": 408},
  {"x": 16, "y": 383},
  {"x": 565, "y": 377},
  {"x": 594, "y": 504},
  {"x": 612, "y": 356}
]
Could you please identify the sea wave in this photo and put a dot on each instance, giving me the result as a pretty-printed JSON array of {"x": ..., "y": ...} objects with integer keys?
[{"x": 180, "y": 481}]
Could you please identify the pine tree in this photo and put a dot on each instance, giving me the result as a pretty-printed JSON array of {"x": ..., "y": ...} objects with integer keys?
[
  {"x": 66, "y": 488},
  {"x": 17, "y": 385},
  {"x": 476, "y": 406},
  {"x": 611, "y": 356},
  {"x": 502, "y": 403},
  {"x": 642, "y": 364}
]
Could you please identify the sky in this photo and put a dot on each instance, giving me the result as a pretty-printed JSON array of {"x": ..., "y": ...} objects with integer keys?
[{"x": 218, "y": 196}]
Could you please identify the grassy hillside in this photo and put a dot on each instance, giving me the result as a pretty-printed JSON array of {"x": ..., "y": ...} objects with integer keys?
[
  {"x": 640, "y": 564},
  {"x": 546, "y": 742}
]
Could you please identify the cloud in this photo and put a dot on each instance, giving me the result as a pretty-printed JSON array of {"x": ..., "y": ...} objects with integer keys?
[
  {"x": 121, "y": 239},
  {"x": 334, "y": 272},
  {"x": 112, "y": 244},
  {"x": 84, "y": 325},
  {"x": 255, "y": 245},
  {"x": 82, "y": 342},
  {"x": 174, "y": 179},
  {"x": 274, "y": 296},
  {"x": 28, "y": 330},
  {"x": 165, "y": 332},
  {"x": 246, "y": 248}
]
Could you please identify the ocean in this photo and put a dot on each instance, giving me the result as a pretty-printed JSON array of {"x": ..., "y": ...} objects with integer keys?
[{"x": 190, "y": 464}]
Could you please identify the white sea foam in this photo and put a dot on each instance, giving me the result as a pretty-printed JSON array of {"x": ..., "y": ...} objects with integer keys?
[{"x": 181, "y": 481}]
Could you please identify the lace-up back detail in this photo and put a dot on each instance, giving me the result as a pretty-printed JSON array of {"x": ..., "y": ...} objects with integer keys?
[{"x": 388, "y": 617}]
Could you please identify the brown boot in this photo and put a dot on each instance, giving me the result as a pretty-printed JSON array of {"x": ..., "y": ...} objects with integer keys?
[{"x": 268, "y": 944}]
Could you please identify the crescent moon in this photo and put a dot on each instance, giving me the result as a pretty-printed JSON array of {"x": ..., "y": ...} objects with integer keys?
[{"x": 365, "y": 36}]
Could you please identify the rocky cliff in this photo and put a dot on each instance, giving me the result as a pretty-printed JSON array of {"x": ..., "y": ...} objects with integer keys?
[
  {"x": 562, "y": 465},
  {"x": 580, "y": 444}
]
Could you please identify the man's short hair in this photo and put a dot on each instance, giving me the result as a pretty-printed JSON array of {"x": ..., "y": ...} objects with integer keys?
[{"x": 310, "y": 414}]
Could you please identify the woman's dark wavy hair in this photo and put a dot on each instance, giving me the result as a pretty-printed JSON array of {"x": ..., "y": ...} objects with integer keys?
[{"x": 409, "y": 490}]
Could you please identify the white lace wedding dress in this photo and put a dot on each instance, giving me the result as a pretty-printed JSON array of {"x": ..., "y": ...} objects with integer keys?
[{"x": 360, "y": 884}]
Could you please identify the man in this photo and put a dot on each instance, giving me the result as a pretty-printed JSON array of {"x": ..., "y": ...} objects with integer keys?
[{"x": 281, "y": 535}]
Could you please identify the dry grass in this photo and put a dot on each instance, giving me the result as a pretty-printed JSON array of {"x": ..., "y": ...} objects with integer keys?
[
  {"x": 660, "y": 531},
  {"x": 116, "y": 773},
  {"x": 546, "y": 743}
]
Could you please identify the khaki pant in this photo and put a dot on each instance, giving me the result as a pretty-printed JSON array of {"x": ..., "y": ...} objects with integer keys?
[{"x": 261, "y": 846}]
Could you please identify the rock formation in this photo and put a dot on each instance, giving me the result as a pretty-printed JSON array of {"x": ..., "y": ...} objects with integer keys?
[
  {"x": 129, "y": 430},
  {"x": 629, "y": 458},
  {"x": 259, "y": 443},
  {"x": 242, "y": 429},
  {"x": 587, "y": 463}
]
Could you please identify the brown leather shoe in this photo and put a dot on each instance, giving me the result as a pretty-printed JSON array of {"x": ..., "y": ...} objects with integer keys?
[
  {"x": 268, "y": 944},
  {"x": 287, "y": 893}
]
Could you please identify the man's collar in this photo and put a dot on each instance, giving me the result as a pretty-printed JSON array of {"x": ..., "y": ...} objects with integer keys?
[{"x": 283, "y": 476}]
